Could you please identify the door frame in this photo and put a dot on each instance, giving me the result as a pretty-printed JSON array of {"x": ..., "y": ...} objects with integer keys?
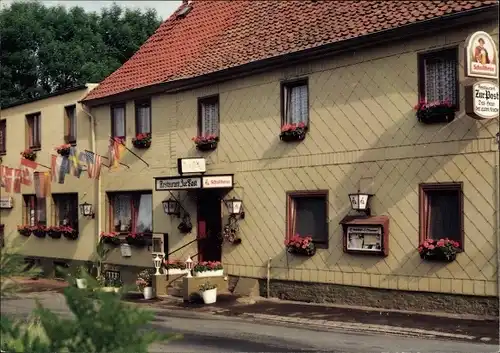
[{"x": 217, "y": 193}]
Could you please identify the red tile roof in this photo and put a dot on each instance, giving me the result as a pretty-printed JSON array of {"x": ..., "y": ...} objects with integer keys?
[{"x": 217, "y": 35}]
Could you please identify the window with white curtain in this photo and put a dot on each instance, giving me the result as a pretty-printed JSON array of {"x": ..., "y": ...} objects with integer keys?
[
  {"x": 143, "y": 117},
  {"x": 209, "y": 116},
  {"x": 132, "y": 212},
  {"x": 295, "y": 103},
  {"x": 118, "y": 121},
  {"x": 439, "y": 76}
]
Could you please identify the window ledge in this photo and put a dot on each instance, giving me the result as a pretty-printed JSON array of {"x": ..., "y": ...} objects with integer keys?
[{"x": 35, "y": 148}]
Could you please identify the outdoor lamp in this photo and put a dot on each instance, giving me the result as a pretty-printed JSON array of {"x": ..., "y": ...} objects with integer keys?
[
  {"x": 171, "y": 207},
  {"x": 157, "y": 263},
  {"x": 189, "y": 267},
  {"x": 86, "y": 210},
  {"x": 359, "y": 201},
  {"x": 234, "y": 206}
]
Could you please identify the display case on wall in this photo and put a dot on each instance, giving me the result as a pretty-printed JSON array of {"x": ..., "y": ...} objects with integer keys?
[{"x": 366, "y": 235}]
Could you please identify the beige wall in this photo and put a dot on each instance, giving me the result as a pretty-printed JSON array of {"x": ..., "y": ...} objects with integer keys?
[
  {"x": 362, "y": 126},
  {"x": 52, "y": 135}
]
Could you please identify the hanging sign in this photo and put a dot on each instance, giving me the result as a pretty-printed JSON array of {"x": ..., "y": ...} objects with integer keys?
[
  {"x": 191, "y": 165},
  {"x": 482, "y": 100},
  {"x": 217, "y": 181},
  {"x": 481, "y": 56},
  {"x": 177, "y": 183},
  {"x": 6, "y": 202}
]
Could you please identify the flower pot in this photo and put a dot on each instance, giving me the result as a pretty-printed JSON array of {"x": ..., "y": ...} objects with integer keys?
[
  {"x": 54, "y": 234},
  {"x": 215, "y": 273},
  {"x": 438, "y": 257},
  {"x": 207, "y": 146},
  {"x": 40, "y": 233},
  {"x": 148, "y": 293},
  {"x": 302, "y": 252},
  {"x": 71, "y": 235},
  {"x": 436, "y": 114},
  {"x": 175, "y": 271},
  {"x": 292, "y": 136},
  {"x": 111, "y": 240},
  {"x": 209, "y": 296},
  {"x": 138, "y": 242},
  {"x": 141, "y": 144},
  {"x": 81, "y": 283},
  {"x": 25, "y": 233}
]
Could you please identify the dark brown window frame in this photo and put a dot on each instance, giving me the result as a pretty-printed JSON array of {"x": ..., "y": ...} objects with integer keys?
[
  {"x": 291, "y": 195},
  {"x": 288, "y": 84},
  {"x": 68, "y": 138},
  {"x": 214, "y": 98},
  {"x": 3, "y": 144},
  {"x": 452, "y": 51},
  {"x": 137, "y": 104},
  {"x": 422, "y": 198},
  {"x": 55, "y": 198},
  {"x": 110, "y": 201},
  {"x": 26, "y": 208},
  {"x": 29, "y": 130},
  {"x": 112, "y": 108}
]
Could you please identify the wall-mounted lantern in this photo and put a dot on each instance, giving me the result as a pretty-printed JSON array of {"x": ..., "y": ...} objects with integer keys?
[
  {"x": 86, "y": 210},
  {"x": 359, "y": 201},
  {"x": 234, "y": 207},
  {"x": 171, "y": 207},
  {"x": 157, "y": 260},
  {"x": 189, "y": 267}
]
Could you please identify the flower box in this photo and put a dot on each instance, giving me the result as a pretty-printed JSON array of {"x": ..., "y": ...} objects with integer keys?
[
  {"x": 54, "y": 232},
  {"x": 137, "y": 240},
  {"x": 443, "y": 250},
  {"x": 215, "y": 273},
  {"x": 25, "y": 230},
  {"x": 300, "y": 245},
  {"x": 142, "y": 141},
  {"x": 435, "y": 112},
  {"x": 206, "y": 143},
  {"x": 63, "y": 150},
  {"x": 208, "y": 269},
  {"x": 293, "y": 132},
  {"x": 29, "y": 154},
  {"x": 39, "y": 231},
  {"x": 111, "y": 238},
  {"x": 175, "y": 271},
  {"x": 174, "y": 267}
]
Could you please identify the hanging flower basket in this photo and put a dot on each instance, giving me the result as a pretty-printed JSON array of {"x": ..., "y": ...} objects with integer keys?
[
  {"x": 435, "y": 112},
  {"x": 444, "y": 250},
  {"x": 69, "y": 232},
  {"x": 300, "y": 245},
  {"x": 25, "y": 230},
  {"x": 206, "y": 143},
  {"x": 29, "y": 154},
  {"x": 136, "y": 239},
  {"x": 39, "y": 231},
  {"x": 142, "y": 141},
  {"x": 293, "y": 132},
  {"x": 54, "y": 232},
  {"x": 63, "y": 150},
  {"x": 111, "y": 238}
]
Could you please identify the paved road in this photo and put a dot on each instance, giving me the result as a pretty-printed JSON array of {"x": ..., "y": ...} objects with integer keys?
[{"x": 209, "y": 333}]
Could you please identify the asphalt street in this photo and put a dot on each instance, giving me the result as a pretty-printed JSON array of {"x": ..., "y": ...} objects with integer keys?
[{"x": 210, "y": 333}]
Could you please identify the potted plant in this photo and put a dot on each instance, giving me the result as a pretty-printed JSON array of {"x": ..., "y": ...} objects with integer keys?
[
  {"x": 206, "y": 143},
  {"x": 63, "y": 150},
  {"x": 69, "y": 232},
  {"x": 144, "y": 283},
  {"x": 110, "y": 238},
  {"x": 54, "y": 232},
  {"x": 208, "y": 292},
  {"x": 174, "y": 267},
  {"x": 136, "y": 239},
  {"x": 300, "y": 245},
  {"x": 29, "y": 154},
  {"x": 142, "y": 140},
  {"x": 293, "y": 132},
  {"x": 81, "y": 280},
  {"x": 434, "y": 112},
  {"x": 39, "y": 231},
  {"x": 439, "y": 250},
  {"x": 208, "y": 269},
  {"x": 25, "y": 230}
]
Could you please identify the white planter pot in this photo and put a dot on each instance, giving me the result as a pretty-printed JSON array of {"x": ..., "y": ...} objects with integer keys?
[
  {"x": 175, "y": 271},
  {"x": 148, "y": 293},
  {"x": 215, "y": 273},
  {"x": 81, "y": 283},
  {"x": 209, "y": 296},
  {"x": 108, "y": 289}
]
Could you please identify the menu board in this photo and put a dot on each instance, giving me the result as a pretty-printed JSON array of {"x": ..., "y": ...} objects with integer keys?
[{"x": 364, "y": 238}]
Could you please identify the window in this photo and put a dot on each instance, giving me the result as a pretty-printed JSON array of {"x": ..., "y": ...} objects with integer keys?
[
  {"x": 143, "y": 117},
  {"x": 118, "y": 121},
  {"x": 34, "y": 210},
  {"x": 438, "y": 76},
  {"x": 70, "y": 124},
  {"x": 34, "y": 130},
  {"x": 131, "y": 212},
  {"x": 441, "y": 211},
  {"x": 307, "y": 215},
  {"x": 208, "y": 116},
  {"x": 3, "y": 136},
  {"x": 295, "y": 102},
  {"x": 65, "y": 209}
]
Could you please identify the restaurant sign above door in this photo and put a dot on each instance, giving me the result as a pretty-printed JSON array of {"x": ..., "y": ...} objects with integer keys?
[{"x": 191, "y": 183}]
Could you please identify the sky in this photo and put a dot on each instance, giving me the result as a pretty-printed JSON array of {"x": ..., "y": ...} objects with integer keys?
[{"x": 164, "y": 8}]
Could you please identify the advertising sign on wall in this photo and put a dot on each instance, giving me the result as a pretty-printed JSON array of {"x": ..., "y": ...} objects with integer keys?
[
  {"x": 481, "y": 56},
  {"x": 482, "y": 100}
]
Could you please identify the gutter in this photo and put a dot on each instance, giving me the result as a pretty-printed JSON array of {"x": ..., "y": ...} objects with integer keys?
[{"x": 45, "y": 96}]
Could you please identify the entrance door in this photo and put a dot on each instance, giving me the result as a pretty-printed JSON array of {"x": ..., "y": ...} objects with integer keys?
[{"x": 209, "y": 226}]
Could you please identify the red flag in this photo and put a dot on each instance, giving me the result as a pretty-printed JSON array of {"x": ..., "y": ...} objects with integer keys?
[
  {"x": 28, "y": 168},
  {"x": 6, "y": 174},
  {"x": 17, "y": 180}
]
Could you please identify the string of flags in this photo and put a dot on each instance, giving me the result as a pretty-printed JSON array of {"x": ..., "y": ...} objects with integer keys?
[{"x": 71, "y": 163}]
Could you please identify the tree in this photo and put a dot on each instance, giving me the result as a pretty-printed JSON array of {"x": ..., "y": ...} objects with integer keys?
[{"x": 45, "y": 49}]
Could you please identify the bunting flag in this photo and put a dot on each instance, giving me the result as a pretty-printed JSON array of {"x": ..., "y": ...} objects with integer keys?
[
  {"x": 46, "y": 183},
  {"x": 17, "y": 181},
  {"x": 116, "y": 152},
  {"x": 94, "y": 163},
  {"x": 7, "y": 176},
  {"x": 42, "y": 184},
  {"x": 59, "y": 167},
  {"x": 74, "y": 163},
  {"x": 27, "y": 169}
]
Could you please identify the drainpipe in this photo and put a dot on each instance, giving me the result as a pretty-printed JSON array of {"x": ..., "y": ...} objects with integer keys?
[{"x": 97, "y": 191}]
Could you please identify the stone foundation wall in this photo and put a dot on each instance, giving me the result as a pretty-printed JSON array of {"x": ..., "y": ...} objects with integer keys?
[{"x": 380, "y": 298}]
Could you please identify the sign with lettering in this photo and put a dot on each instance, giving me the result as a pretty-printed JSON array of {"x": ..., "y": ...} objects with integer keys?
[
  {"x": 219, "y": 181},
  {"x": 191, "y": 165},
  {"x": 482, "y": 100},
  {"x": 6, "y": 202},
  {"x": 481, "y": 56},
  {"x": 177, "y": 183}
]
